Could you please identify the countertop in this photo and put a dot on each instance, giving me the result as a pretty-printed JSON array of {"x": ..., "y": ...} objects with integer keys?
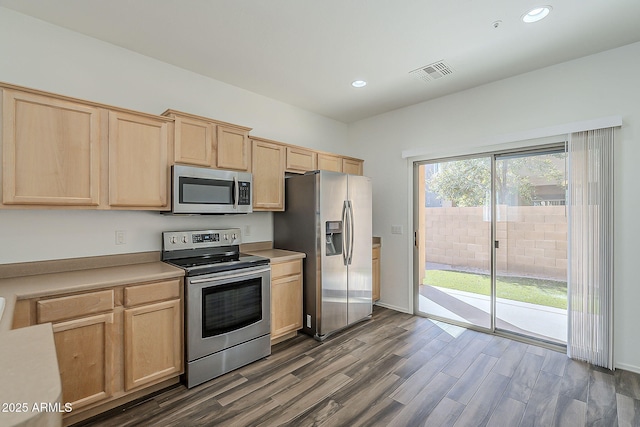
[
  {"x": 39, "y": 285},
  {"x": 29, "y": 376},
  {"x": 277, "y": 255},
  {"x": 29, "y": 373}
]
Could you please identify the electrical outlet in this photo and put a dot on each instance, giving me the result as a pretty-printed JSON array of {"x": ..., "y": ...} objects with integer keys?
[
  {"x": 121, "y": 237},
  {"x": 247, "y": 230},
  {"x": 308, "y": 321},
  {"x": 396, "y": 229}
]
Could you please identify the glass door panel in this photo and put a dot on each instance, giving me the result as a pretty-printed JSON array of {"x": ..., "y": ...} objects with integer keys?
[
  {"x": 454, "y": 241},
  {"x": 531, "y": 245}
]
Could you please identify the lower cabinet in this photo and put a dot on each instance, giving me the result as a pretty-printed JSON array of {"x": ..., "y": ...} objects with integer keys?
[
  {"x": 85, "y": 349},
  {"x": 375, "y": 267},
  {"x": 114, "y": 343},
  {"x": 286, "y": 299},
  {"x": 152, "y": 343}
]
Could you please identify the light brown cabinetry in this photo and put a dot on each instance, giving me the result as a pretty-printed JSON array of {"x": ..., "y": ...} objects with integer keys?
[
  {"x": 59, "y": 152},
  {"x": 352, "y": 166},
  {"x": 375, "y": 266},
  {"x": 85, "y": 345},
  {"x": 201, "y": 141},
  {"x": 193, "y": 141},
  {"x": 286, "y": 299},
  {"x": 329, "y": 162},
  {"x": 268, "y": 164},
  {"x": 152, "y": 333},
  {"x": 51, "y": 151},
  {"x": 301, "y": 160},
  {"x": 233, "y": 148},
  {"x": 138, "y": 161},
  {"x": 112, "y": 344}
]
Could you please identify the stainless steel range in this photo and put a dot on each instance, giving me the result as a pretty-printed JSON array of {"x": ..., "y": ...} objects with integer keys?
[{"x": 227, "y": 301}]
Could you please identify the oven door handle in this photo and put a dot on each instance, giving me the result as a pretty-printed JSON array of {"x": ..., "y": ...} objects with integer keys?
[{"x": 230, "y": 276}]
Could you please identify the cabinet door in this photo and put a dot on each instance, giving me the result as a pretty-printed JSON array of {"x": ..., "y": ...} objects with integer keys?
[
  {"x": 138, "y": 163},
  {"x": 352, "y": 167},
  {"x": 300, "y": 160},
  {"x": 193, "y": 142},
  {"x": 232, "y": 148},
  {"x": 268, "y": 176},
  {"x": 375, "y": 267},
  {"x": 85, "y": 350},
  {"x": 329, "y": 162},
  {"x": 51, "y": 151},
  {"x": 286, "y": 298},
  {"x": 153, "y": 343}
]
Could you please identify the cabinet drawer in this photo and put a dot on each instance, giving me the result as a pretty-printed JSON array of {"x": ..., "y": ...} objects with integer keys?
[
  {"x": 143, "y": 294},
  {"x": 376, "y": 253},
  {"x": 285, "y": 269},
  {"x": 57, "y": 309}
]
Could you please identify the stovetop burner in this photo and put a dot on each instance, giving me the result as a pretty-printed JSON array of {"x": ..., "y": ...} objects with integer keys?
[{"x": 207, "y": 251}]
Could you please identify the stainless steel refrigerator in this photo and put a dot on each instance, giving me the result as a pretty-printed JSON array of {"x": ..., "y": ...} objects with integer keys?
[{"x": 328, "y": 217}]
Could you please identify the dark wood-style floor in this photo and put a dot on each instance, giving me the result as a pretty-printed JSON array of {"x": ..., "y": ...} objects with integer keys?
[{"x": 400, "y": 370}]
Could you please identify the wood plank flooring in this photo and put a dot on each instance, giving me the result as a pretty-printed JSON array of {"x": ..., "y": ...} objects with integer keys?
[{"x": 400, "y": 370}]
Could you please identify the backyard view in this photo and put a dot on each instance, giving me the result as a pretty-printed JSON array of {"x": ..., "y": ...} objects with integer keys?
[{"x": 531, "y": 243}]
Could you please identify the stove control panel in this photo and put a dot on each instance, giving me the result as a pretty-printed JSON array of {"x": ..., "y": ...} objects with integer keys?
[{"x": 176, "y": 240}]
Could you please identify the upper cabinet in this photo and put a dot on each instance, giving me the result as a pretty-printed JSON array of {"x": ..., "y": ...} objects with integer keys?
[
  {"x": 329, "y": 162},
  {"x": 201, "y": 141},
  {"x": 60, "y": 152},
  {"x": 193, "y": 141},
  {"x": 352, "y": 166},
  {"x": 65, "y": 153},
  {"x": 301, "y": 160},
  {"x": 233, "y": 149},
  {"x": 268, "y": 164},
  {"x": 138, "y": 160},
  {"x": 51, "y": 151}
]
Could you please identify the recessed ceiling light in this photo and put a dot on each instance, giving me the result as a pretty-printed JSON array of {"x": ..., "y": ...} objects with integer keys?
[
  {"x": 358, "y": 83},
  {"x": 536, "y": 14}
]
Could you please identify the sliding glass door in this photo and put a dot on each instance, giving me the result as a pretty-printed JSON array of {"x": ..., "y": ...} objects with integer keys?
[
  {"x": 456, "y": 235},
  {"x": 491, "y": 243},
  {"x": 531, "y": 245}
]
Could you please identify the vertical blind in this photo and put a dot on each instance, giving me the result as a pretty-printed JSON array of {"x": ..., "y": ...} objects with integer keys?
[{"x": 590, "y": 285}]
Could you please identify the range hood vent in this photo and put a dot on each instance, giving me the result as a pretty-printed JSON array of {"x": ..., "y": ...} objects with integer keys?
[{"x": 431, "y": 72}]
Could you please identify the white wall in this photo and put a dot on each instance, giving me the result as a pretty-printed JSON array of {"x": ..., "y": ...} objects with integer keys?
[
  {"x": 43, "y": 56},
  {"x": 596, "y": 86}
]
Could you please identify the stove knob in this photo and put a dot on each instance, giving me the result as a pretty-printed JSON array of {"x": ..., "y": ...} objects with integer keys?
[
  {"x": 225, "y": 237},
  {"x": 184, "y": 239},
  {"x": 234, "y": 237},
  {"x": 174, "y": 239}
]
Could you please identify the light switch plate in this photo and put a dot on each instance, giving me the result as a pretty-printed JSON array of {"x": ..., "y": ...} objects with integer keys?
[{"x": 396, "y": 229}]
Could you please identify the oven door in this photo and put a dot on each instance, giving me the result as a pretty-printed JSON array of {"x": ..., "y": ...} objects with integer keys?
[{"x": 226, "y": 309}]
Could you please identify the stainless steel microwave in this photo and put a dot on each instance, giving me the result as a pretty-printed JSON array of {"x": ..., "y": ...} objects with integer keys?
[{"x": 198, "y": 190}]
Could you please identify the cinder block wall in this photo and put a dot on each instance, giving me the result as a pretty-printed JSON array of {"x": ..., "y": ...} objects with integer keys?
[{"x": 533, "y": 239}]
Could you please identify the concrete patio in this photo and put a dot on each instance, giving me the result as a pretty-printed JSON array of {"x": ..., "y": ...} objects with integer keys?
[{"x": 542, "y": 322}]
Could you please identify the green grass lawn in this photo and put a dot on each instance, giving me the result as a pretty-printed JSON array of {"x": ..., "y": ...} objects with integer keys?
[{"x": 550, "y": 293}]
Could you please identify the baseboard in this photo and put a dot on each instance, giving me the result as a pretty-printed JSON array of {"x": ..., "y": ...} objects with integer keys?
[
  {"x": 626, "y": 367},
  {"x": 393, "y": 307}
]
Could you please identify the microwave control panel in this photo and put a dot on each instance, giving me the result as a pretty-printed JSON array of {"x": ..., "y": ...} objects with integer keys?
[{"x": 244, "y": 193}]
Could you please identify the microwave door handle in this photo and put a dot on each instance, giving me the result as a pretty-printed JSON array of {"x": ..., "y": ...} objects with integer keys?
[{"x": 236, "y": 192}]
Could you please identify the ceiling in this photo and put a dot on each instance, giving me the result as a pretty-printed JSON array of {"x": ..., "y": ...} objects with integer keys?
[{"x": 307, "y": 52}]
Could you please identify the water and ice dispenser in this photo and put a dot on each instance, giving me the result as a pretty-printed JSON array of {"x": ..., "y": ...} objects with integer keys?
[{"x": 333, "y": 237}]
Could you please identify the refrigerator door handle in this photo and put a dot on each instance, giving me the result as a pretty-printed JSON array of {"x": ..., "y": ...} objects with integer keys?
[
  {"x": 351, "y": 231},
  {"x": 344, "y": 233}
]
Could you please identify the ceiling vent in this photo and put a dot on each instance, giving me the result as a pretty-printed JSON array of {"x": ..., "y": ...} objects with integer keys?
[{"x": 434, "y": 71}]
